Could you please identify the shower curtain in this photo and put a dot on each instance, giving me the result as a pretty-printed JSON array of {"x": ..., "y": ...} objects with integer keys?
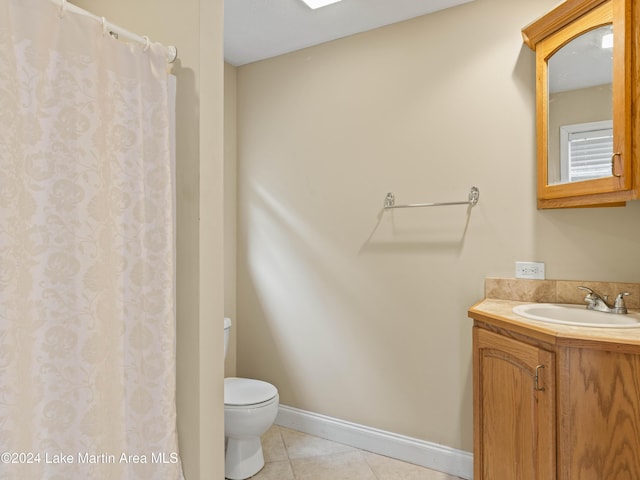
[{"x": 87, "y": 315}]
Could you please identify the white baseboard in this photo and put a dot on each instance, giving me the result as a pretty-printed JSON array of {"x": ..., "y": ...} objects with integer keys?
[{"x": 412, "y": 450}]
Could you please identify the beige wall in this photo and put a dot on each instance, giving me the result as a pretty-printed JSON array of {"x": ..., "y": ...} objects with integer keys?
[
  {"x": 359, "y": 314},
  {"x": 230, "y": 232},
  {"x": 582, "y": 105},
  {"x": 195, "y": 27}
]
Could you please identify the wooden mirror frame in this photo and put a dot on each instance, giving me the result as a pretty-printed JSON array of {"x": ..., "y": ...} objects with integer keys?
[{"x": 546, "y": 36}]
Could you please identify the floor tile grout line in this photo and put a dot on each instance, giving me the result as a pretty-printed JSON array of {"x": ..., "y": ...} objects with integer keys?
[
  {"x": 366, "y": 460},
  {"x": 286, "y": 450}
]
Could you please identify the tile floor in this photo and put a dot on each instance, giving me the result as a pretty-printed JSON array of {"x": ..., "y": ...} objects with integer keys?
[{"x": 292, "y": 455}]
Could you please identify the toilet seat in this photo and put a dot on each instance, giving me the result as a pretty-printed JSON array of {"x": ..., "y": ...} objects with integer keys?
[{"x": 244, "y": 392}]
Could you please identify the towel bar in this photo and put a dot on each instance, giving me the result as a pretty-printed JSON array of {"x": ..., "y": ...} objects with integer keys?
[{"x": 390, "y": 201}]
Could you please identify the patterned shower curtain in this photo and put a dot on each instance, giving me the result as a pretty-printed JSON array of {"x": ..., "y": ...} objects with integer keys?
[{"x": 87, "y": 315}]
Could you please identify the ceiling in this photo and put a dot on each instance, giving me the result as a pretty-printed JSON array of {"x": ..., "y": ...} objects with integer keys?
[
  {"x": 259, "y": 29},
  {"x": 582, "y": 63}
]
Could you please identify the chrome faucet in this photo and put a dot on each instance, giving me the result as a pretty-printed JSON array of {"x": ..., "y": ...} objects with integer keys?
[{"x": 599, "y": 303}]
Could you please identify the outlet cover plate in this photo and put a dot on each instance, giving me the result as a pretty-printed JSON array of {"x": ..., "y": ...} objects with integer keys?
[{"x": 530, "y": 270}]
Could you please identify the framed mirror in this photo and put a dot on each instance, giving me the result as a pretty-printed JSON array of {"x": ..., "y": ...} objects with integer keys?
[{"x": 584, "y": 77}]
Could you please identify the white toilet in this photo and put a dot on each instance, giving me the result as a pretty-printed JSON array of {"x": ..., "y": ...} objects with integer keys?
[{"x": 250, "y": 408}]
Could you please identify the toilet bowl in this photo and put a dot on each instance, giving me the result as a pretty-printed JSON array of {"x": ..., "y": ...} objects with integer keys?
[{"x": 250, "y": 408}]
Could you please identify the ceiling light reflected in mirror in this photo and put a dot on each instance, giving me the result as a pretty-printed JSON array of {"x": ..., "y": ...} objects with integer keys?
[{"x": 319, "y": 3}]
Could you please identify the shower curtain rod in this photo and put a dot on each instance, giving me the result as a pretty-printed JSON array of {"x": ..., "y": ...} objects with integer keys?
[{"x": 114, "y": 30}]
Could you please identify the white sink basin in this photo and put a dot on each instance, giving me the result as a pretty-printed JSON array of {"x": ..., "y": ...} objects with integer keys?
[{"x": 576, "y": 315}]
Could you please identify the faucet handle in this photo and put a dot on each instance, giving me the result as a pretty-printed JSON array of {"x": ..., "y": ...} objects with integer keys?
[
  {"x": 619, "y": 305},
  {"x": 592, "y": 297},
  {"x": 590, "y": 293}
]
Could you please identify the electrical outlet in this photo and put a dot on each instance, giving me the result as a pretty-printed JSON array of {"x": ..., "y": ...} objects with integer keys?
[{"x": 531, "y": 270}]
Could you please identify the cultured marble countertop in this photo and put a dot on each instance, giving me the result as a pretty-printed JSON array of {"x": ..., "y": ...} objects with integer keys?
[{"x": 499, "y": 313}]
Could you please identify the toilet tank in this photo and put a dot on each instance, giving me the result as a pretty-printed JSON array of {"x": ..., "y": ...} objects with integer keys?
[{"x": 227, "y": 328}]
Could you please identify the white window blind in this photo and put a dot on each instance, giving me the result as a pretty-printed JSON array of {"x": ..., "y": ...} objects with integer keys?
[{"x": 586, "y": 150}]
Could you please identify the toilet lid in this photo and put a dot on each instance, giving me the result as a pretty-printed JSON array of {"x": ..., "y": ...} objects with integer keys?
[{"x": 246, "y": 391}]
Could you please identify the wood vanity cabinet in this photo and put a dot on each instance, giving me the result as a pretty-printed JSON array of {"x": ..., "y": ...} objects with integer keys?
[
  {"x": 619, "y": 181},
  {"x": 550, "y": 407}
]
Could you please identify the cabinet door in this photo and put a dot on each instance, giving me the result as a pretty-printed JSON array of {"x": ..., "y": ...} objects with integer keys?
[
  {"x": 599, "y": 415},
  {"x": 589, "y": 113},
  {"x": 514, "y": 409}
]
